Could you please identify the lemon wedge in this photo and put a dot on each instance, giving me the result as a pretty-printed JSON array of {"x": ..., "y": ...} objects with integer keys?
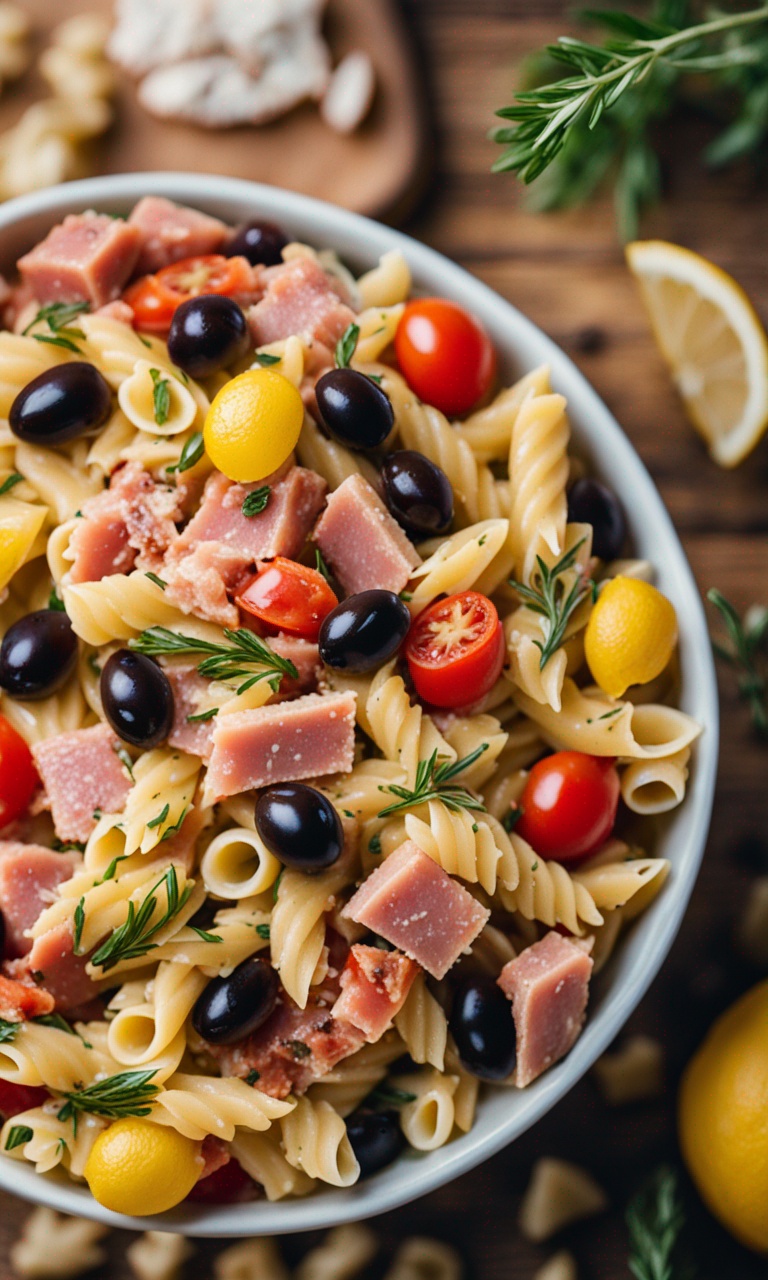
[{"x": 713, "y": 341}]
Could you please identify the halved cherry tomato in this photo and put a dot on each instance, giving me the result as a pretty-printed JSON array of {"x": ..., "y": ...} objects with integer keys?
[
  {"x": 154, "y": 298},
  {"x": 289, "y": 597},
  {"x": 15, "y": 1098},
  {"x": 18, "y": 775},
  {"x": 455, "y": 650},
  {"x": 225, "y": 1185},
  {"x": 445, "y": 354},
  {"x": 569, "y": 805}
]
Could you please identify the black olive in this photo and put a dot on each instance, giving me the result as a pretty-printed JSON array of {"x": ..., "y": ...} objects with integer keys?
[
  {"x": 229, "y": 1009},
  {"x": 207, "y": 334},
  {"x": 482, "y": 1026},
  {"x": 364, "y": 631},
  {"x": 60, "y": 404},
  {"x": 417, "y": 492},
  {"x": 38, "y": 654},
  {"x": 354, "y": 409},
  {"x": 137, "y": 698},
  {"x": 590, "y": 502},
  {"x": 259, "y": 242},
  {"x": 376, "y": 1139},
  {"x": 300, "y": 826}
]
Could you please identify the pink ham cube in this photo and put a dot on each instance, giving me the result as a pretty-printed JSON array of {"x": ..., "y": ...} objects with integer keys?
[
  {"x": 29, "y": 874},
  {"x": 300, "y": 298},
  {"x": 52, "y": 962},
  {"x": 81, "y": 773},
  {"x": 99, "y": 541},
  {"x": 374, "y": 987},
  {"x": 306, "y": 738},
  {"x": 86, "y": 258},
  {"x": 363, "y": 545},
  {"x": 169, "y": 232},
  {"x": 415, "y": 905},
  {"x": 548, "y": 984}
]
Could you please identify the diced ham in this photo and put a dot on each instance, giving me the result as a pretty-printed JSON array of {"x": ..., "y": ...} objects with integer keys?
[
  {"x": 300, "y": 298},
  {"x": 20, "y": 1001},
  {"x": 169, "y": 232},
  {"x": 374, "y": 987},
  {"x": 134, "y": 517},
  {"x": 548, "y": 984},
  {"x": 29, "y": 874},
  {"x": 415, "y": 905},
  {"x": 305, "y": 656},
  {"x": 363, "y": 545},
  {"x": 81, "y": 773},
  {"x": 52, "y": 962},
  {"x": 190, "y": 692},
  {"x": 99, "y": 541},
  {"x": 293, "y": 1048},
  {"x": 201, "y": 582},
  {"x": 86, "y": 258},
  {"x": 312, "y": 736}
]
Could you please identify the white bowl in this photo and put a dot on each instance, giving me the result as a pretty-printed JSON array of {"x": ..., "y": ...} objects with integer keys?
[{"x": 504, "y": 1113}]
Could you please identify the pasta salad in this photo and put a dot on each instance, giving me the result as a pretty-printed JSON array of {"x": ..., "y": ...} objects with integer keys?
[{"x": 333, "y": 715}]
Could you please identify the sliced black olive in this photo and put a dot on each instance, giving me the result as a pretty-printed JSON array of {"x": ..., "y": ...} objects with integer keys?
[
  {"x": 590, "y": 502},
  {"x": 364, "y": 631},
  {"x": 376, "y": 1139},
  {"x": 259, "y": 242},
  {"x": 300, "y": 826},
  {"x": 207, "y": 334},
  {"x": 137, "y": 698},
  {"x": 38, "y": 654},
  {"x": 417, "y": 492},
  {"x": 229, "y": 1009},
  {"x": 354, "y": 409},
  {"x": 482, "y": 1026},
  {"x": 60, "y": 404}
]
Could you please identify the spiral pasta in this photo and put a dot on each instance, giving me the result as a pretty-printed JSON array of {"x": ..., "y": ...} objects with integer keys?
[
  {"x": 330, "y": 459},
  {"x": 44, "y": 1056},
  {"x": 604, "y": 726},
  {"x": 538, "y": 469},
  {"x": 546, "y": 891},
  {"x": 489, "y": 430},
  {"x": 423, "y": 1026},
  {"x": 199, "y": 1106},
  {"x": 457, "y": 564},
  {"x": 297, "y": 932},
  {"x": 400, "y": 730},
  {"x": 118, "y": 607},
  {"x": 160, "y": 798},
  {"x": 53, "y": 1141},
  {"x": 386, "y": 284},
  {"x": 315, "y": 1140},
  {"x": 460, "y": 842}
]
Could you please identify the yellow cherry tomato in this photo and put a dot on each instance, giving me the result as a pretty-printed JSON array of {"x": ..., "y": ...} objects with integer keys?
[
  {"x": 630, "y": 636},
  {"x": 138, "y": 1168},
  {"x": 253, "y": 425},
  {"x": 723, "y": 1118}
]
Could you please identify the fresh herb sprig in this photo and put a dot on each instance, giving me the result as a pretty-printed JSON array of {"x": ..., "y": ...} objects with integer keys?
[
  {"x": 748, "y": 637},
  {"x": 548, "y": 597},
  {"x": 161, "y": 397},
  {"x": 346, "y": 346},
  {"x": 58, "y": 316},
  {"x": 232, "y": 661},
  {"x": 8, "y": 1030},
  {"x": 437, "y": 782},
  {"x": 10, "y": 483},
  {"x": 134, "y": 937},
  {"x": 125, "y": 1094},
  {"x": 655, "y": 1220}
]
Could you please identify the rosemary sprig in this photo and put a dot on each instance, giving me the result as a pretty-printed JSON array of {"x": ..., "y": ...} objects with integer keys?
[
  {"x": 748, "y": 636},
  {"x": 548, "y": 597},
  {"x": 161, "y": 397},
  {"x": 134, "y": 936},
  {"x": 124, "y": 1094},
  {"x": 58, "y": 316},
  {"x": 655, "y": 1220},
  {"x": 436, "y": 782},
  {"x": 221, "y": 662},
  {"x": 13, "y": 479}
]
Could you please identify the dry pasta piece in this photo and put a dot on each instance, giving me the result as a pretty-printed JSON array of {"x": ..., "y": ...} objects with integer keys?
[
  {"x": 251, "y": 1260},
  {"x": 558, "y": 1194},
  {"x": 428, "y": 1120},
  {"x": 315, "y": 1140},
  {"x": 423, "y": 1025},
  {"x": 343, "y": 1253},
  {"x": 420, "y": 1258},
  {"x": 632, "y": 1073},
  {"x": 546, "y": 891},
  {"x": 201, "y": 1105},
  {"x": 262, "y": 1157},
  {"x": 158, "y": 1255},
  {"x": 161, "y": 797},
  {"x": 538, "y": 468},
  {"x": 54, "y": 1246},
  {"x": 612, "y": 885},
  {"x": 655, "y": 786},
  {"x": 489, "y": 430},
  {"x": 456, "y": 564},
  {"x": 297, "y": 931}
]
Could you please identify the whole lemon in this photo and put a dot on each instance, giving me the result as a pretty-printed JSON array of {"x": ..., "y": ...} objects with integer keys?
[
  {"x": 723, "y": 1118},
  {"x": 630, "y": 636},
  {"x": 139, "y": 1168},
  {"x": 253, "y": 425}
]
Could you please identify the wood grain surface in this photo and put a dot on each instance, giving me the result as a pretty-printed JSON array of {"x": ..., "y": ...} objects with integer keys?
[{"x": 567, "y": 273}]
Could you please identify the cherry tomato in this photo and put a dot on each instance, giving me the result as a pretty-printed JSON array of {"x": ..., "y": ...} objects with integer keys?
[
  {"x": 289, "y": 597},
  {"x": 15, "y": 1098},
  {"x": 445, "y": 355},
  {"x": 569, "y": 805},
  {"x": 455, "y": 650},
  {"x": 225, "y": 1185},
  {"x": 18, "y": 775},
  {"x": 154, "y": 298}
]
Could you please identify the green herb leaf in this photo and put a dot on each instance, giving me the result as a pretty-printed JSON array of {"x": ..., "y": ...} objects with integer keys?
[
  {"x": 202, "y": 716},
  {"x": 511, "y": 818},
  {"x": 436, "y": 782},
  {"x": 18, "y": 1134},
  {"x": 655, "y": 1220},
  {"x": 548, "y": 597},
  {"x": 265, "y": 359},
  {"x": 124, "y": 757},
  {"x": 160, "y": 818},
  {"x": 321, "y": 566},
  {"x": 109, "y": 874},
  {"x": 263, "y": 931},
  {"x": 388, "y": 1095},
  {"x": 192, "y": 452},
  {"x": 299, "y": 1049},
  {"x": 253, "y": 1076},
  {"x": 345, "y": 347},
  {"x": 254, "y": 503},
  {"x": 161, "y": 396},
  {"x": 374, "y": 845},
  {"x": 55, "y": 601},
  {"x": 8, "y": 1030},
  {"x": 157, "y": 581},
  {"x": 15, "y": 478},
  {"x": 79, "y": 922},
  {"x": 55, "y": 1020},
  {"x": 204, "y": 935},
  {"x": 742, "y": 653},
  {"x": 124, "y": 1094},
  {"x": 247, "y": 657},
  {"x": 58, "y": 316},
  {"x": 58, "y": 340},
  {"x": 133, "y": 938}
]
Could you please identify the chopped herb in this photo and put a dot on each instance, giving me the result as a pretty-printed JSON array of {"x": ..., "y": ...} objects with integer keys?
[
  {"x": 547, "y": 596},
  {"x": 256, "y": 502},
  {"x": 79, "y": 922},
  {"x": 64, "y": 846},
  {"x": 299, "y": 1049},
  {"x": 97, "y": 815},
  {"x": 191, "y": 453},
  {"x": 58, "y": 317},
  {"x": 482, "y": 540},
  {"x": 435, "y": 782},
  {"x": 348, "y": 813},
  {"x": 374, "y": 845},
  {"x": 125, "y": 760},
  {"x": 144, "y": 341},
  {"x": 160, "y": 818},
  {"x": 276, "y": 885},
  {"x": 133, "y": 938},
  {"x": 222, "y": 662},
  {"x": 61, "y": 1147},
  {"x": 157, "y": 581},
  {"x": 407, "y": 596},
  {"x": 94, "y": 664},
  {"x": 55, "y": 1020},
  {"x": 378, "y": 378},
  {"x": 475, "y": 828},
  {"x": 265, "y": 359},
  {"x": 161, "y": 396},
  {"x": 511, "y": 818},
  {"x": 109, "y": 874},
  {"x": 655, "y": 1220},
  {"x": 608, "y": 715},
  {"x": 124, "y": 1094},
  {"x": 253, "y": 1076},
  {"x": 55, "y": 602},
  {"x": 747, "y": 638},
  {"x": 202, "y": 716},
  {"x": 8, "y": 1030},
  {"x": 345, "y": 347},
  {"x": 204, "y": 936},
  {"x": 15, "y": 478},
  {"x": 263, "y": 931},
  {"x": 321, "y": 566},
  {"x": 18, "y": 1135},
  {"x": 535, "y": 865},
  {"x": 78, "y": 515},
  {"x": 175, "y": 826},
  {"x": 389, "y": 1095}
]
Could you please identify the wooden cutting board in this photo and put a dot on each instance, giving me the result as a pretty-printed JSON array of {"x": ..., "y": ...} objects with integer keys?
[{"x": 379, "y": 170}]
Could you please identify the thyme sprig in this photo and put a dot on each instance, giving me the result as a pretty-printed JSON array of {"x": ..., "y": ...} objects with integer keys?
[
  {"x": 435, "y": 781},
  {"x": 548, "y": 597},
  {"x": 134, "y": 937},
  {"x": 655, "y": 1220},
  {"x": 124, "y": 1094},
  {"x": 748, "y": 636},
  {"x": 233, "y": 661}
]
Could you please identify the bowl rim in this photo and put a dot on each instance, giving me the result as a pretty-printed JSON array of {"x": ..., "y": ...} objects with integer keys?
[{"x": 363, "y": 239}]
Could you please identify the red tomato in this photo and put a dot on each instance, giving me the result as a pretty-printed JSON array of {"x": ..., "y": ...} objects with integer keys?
[
  {"x": 289, "y": 597},
  {"x": 225, "y": 1185},
  {"x": 455, "y": 650},
  {"x": 18, "y": 775},
  {"x": 569, "y": 805},
  {"x": 445, "y": 355},
  {"x": 15, "y": 1098},
  {"x": 155, "y": 298}
]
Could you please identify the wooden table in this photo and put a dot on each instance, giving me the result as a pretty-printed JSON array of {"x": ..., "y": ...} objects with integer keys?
[{"x": 567, "y": 273}]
